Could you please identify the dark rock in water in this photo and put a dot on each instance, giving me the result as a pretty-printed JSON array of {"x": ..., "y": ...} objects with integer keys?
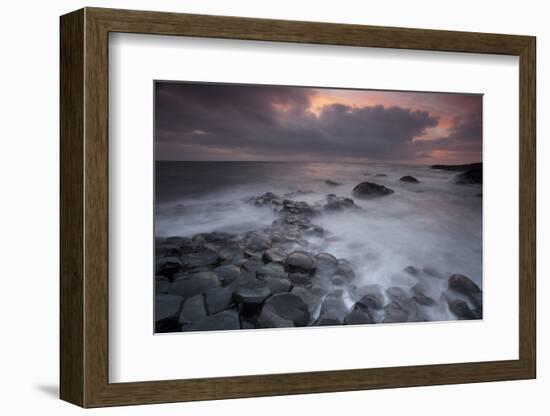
[
  {"x": 269, "y": 319},
  {"x": 358, "y": 315},
  {"x": 327, "y": 321},
  {"x": 217, "y": 299},
  {"x": 269, "y": 198},
  {"x": 461, "y": 309},
  {"x": 258, "y": 243},
  {"x": 327, "y": 264},
  {"x": 410, "y": 179},
  {"x": 338, "y": 203},
  {"x": 167, "y": 306},
  {"x": 273, "y": 270},
  {"x": 338, "y": 280},
  {"x": 423, "y": 299},
  {"x": 457, "y": 168},
  {"x": 204, "y": 257},
  {"x": 193, "y": 310},
  {"x": 222, "y": 321},
  {"x": 369, "y": 296},
  {"x": 413, "y": 271},
  {"x": 227, "y": 274},
  {"x": 193, "y": 285},
  {"x": 333, "y": 308},
  {"x": 471, "y": 173},
  {"x": 287, "y": 306},
  {"x": 394, "y": 312},
  {"x": 345, "y": 269},
  {"x": 432, "y": 272},
  {"x": 274, "y": 255},
  {"x": 463, "y": 285},
  {"x": 297, "y": 207},
  {"x": 312, "y": 300},
  {"x": 253, "y": 292},
  {"x": 162, "y": 284},
  {"x": 332, "y": 183},
  {"x": 167, "y": 266},
  {"x": 471, "y": 176},
  {"x": 380, "y": 175},
  {"x": 300, "y": 279},
  {"x": 277, "y": 285},
  {"x": 252, "y": 265},
  {"x": 401, "y": 307},
  {"x": 300, "y": 262},
  {"x": 370, "y": 189}
]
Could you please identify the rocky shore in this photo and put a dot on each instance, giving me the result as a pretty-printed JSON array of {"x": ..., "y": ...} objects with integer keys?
[{"x": 274, "y": 278}]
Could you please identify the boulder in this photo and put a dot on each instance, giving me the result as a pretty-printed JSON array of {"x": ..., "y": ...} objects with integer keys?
[
  {"x": 274, "y": 254},
  {"x": 326, "y": 263},
  {"x": 300, "y": 279},
  {"x": 370, "y": 296},
  {"x": 204, "y": 257},
  {"x": 380, "y": 175},
  {"x": 338, "y": 203},
  {"x": 332, "y": 183},
  {"x": 167, "y": 266},
  {"x": 217, "y": 299},
  {"x": 258, "y": 243},
  {"x": 432, "y": 272},
  {"x": 358, "y": 315},
  {"x": 461, "y": 310},
  {"x": 252, "y": 292},
  {"x": 300, "y": 262},
  {"x": 287, "y": 306},
  {"x": 193, "y": 310},
  {"x": 333, "y": 308},
  {"x": 312, "y": 300},
  {"x": 394, "y": 312},
  {"x": 463, "y": 285},
  {"x": 227, "y": 274},
  {"x": 345, "y": 269},
  {"x": 401, "y": 307},
  {"x": 273, "y": 270},
  {"x": 192, "y": 286},
  {"x": 473, "y": 175},
  {"x": 409, "y": 179},
  {"x": 167, "y": 306},
  {"x": 367, "y": 190},
  {"x": 162, "y": 284},
  {"x": 221, "y": 321},
  {"x": 413, "y": 271}
]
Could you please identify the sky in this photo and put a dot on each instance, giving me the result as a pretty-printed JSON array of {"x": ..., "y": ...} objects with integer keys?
[{"x": 230, "y": 122}]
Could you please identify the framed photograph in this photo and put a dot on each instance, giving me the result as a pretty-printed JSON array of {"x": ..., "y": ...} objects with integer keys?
[{"x": 260, "y": 207}]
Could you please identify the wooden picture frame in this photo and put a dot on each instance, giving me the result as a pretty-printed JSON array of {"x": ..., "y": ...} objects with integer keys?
[{"x": 84, "y": 207}]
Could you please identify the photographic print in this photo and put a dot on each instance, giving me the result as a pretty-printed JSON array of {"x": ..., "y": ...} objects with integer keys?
[{"x": 291, "y": 206}]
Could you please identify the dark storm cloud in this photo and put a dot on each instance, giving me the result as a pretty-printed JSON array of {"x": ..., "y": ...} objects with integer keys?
[
  {"x": 464, "y": 136},
  {"x": 231, "y": 122}
]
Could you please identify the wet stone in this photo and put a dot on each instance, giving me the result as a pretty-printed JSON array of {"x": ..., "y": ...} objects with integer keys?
[
  {"x": 227, "y": 274},
  {"x": 287, "y": 306},
  {"x": 253, "y": 292},
  {"x": 221, "y": 321},
  {"x": 167, "y": 306},
  {"x": 193, "y": 310},
  {"x": 217, "y": 299},
  {"x": 300, "y": 262},
  {"x": 274, "y": 255},
  {"x": 367, "y": 190}
]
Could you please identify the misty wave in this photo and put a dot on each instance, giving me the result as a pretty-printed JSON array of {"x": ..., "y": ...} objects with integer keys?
[{"x": 435, "y": 225}]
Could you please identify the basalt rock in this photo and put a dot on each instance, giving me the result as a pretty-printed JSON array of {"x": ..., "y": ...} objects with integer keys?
[{"x": 366, "y": 190}]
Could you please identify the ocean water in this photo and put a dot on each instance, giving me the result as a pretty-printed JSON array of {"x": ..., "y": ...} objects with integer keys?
[{"x": 435, "y": 223}]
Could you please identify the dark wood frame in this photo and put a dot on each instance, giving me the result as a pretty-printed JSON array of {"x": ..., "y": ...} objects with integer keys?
[{"x": 84, "y": 208}]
